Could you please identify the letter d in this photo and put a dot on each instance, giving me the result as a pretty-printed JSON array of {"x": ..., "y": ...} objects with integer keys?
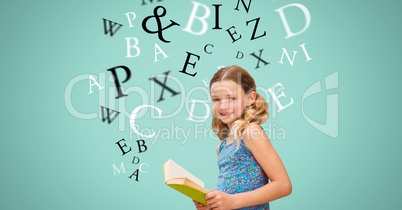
[
  {"x": 285, "y": 22},
  {"x": 198, "y": 118}
]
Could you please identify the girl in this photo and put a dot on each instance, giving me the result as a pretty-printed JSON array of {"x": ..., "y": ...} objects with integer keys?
[{"x": 246, "y": 157}]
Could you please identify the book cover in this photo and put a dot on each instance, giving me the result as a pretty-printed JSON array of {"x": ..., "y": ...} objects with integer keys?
[{"x": 183, "y": 181}]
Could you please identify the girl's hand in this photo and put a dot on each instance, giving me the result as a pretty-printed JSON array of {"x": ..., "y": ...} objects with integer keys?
[
  {"x": 200, "y": 206},
  {"x": 218, "y": 200}
]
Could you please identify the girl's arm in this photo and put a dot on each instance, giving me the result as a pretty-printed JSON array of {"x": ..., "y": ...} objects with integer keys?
[{"x": 279, "y": 186}]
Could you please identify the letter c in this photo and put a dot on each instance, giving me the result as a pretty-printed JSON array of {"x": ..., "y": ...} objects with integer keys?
[
  {"x": 205, "y": 48},
  {"x": 134, "y": 114},
  {"x": 141, "y": 168}
]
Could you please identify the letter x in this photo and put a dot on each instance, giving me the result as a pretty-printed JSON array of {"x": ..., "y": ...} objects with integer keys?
[
  {"x": 163, "y": 86},
  {"x": 259, "y": 59}
]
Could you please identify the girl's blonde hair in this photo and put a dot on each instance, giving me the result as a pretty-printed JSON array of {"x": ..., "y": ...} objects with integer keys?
[{"x": 255, "y": 113}]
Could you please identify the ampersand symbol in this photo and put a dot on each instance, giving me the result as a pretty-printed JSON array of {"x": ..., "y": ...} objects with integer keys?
[{"x": 158, "y": 22}]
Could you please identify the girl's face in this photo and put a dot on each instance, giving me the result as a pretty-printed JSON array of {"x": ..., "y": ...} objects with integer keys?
[{"x": 228, "y": 101}]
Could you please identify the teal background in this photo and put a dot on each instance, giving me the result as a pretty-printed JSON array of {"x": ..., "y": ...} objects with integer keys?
[{"x": 51, "y": 159}]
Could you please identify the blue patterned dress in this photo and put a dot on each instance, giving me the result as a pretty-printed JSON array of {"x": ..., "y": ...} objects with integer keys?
[{"x": 239, "y": 171}]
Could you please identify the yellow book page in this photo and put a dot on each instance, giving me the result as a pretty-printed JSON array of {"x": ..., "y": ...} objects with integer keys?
[{"x": 190, "y": 192}]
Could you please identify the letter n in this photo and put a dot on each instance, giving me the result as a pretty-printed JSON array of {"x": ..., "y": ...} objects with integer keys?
[
  {"x": 143, "y": 2},
  {"x": 246, "y": 7},
  {"x": 285, "y": 52}
]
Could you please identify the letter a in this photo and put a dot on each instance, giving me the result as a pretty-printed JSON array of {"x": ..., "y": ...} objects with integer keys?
[
  {"x": 134, "y": 174},
  {"x": 91, "y": 78},
  {"x": 159, "y": 52}
]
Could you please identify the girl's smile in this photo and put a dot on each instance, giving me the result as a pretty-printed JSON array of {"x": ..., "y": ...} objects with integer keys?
[{"x": 225, "y": 115}]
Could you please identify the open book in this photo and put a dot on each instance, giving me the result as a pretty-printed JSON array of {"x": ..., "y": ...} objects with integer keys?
[{"x": 183, "y": 181}]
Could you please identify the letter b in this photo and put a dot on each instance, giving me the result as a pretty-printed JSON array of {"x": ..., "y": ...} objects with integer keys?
[{"x": 201, "y": 19}]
